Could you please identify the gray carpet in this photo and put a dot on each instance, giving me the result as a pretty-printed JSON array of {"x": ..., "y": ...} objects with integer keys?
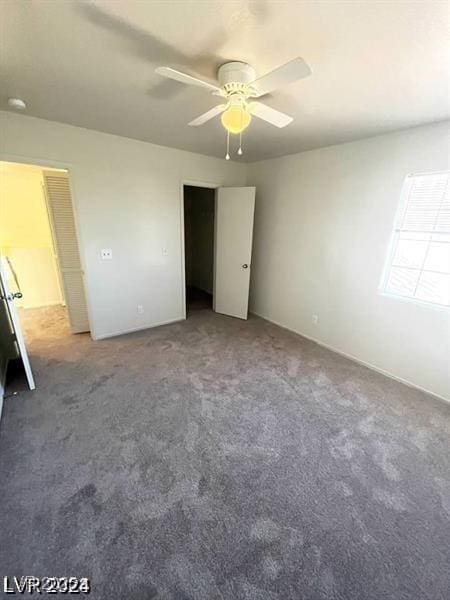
[{"x": 217, "y": 459}]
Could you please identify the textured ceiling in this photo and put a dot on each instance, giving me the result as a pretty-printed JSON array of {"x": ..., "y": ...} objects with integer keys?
[{"x": 377, "y": 66}]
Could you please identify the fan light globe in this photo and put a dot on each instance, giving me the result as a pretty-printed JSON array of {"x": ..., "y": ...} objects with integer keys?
[{"x": 236, "y": 118}]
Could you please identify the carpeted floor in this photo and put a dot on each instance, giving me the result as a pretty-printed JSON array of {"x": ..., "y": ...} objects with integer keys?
[{"x": 217, "y": 459}]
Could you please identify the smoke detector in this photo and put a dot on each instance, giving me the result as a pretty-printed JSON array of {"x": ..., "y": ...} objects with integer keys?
[{"x": 16, "y": 103}]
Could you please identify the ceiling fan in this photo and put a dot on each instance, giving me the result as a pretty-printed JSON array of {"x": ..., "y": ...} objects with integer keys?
[{"x": 238, "y": 85}]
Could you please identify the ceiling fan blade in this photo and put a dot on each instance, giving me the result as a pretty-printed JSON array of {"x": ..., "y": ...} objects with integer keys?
[
  {"x": 207, "y": 116},
  {"x": 292, "y": 71},
  {"x": 272, "y": 116},
  {"x": 185, "y": 78}
]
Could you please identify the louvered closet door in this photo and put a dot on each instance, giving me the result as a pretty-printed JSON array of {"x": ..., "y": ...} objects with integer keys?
[{"x": 62, "y": 222}]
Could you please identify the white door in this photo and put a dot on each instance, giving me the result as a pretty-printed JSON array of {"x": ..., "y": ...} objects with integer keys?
[
  {"x": 54, "y": 248},
  {"x": 8, "y": 297},
  {"x": 62, "y": 222},
  {"x": 235, "y": 207}
]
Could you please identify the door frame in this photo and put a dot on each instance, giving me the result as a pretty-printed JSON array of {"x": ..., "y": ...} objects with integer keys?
[
  {"x": 16, "y": 326},
  {"x": 200, "y": 184},
  {"x": 57, "y": 164}
]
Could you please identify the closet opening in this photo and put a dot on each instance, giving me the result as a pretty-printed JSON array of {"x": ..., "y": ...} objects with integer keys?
[{"x": 199, "y": 227}]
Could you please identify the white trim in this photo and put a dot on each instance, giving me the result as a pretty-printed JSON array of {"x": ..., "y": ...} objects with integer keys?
[
  {"x": 15, "y": 323},
  {"x": 56, "y": 164},
  {"x": 355, "y": 359},
  {"x": 112, "y": 334},
  {"x": 35, "y": 161},
  {"x": 401, "y": 206},
  {"x": 201, "y": 184},
  {"x": 215, "y": 252},
  {"x": 421, "y": 173},
  {"x": 27, "y": 306}
]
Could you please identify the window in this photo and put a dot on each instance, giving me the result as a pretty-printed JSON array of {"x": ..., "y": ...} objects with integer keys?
[{"x": 418, "y": 266}]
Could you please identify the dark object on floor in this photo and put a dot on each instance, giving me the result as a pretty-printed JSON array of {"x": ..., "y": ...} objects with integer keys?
[{"x": 218, "y": 459}]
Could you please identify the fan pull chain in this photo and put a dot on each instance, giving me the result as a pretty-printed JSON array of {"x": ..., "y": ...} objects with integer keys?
[
  {"x": 240, "y": 144},
  {"x": 227, "y": 155},
  {"x": 240, "y": 134}
]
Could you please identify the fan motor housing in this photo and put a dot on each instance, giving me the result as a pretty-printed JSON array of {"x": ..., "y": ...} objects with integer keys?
[{"x": 236, "y": 72}]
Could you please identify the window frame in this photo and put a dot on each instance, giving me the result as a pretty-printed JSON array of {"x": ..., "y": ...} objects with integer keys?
[{"x": 392, "y": 246}]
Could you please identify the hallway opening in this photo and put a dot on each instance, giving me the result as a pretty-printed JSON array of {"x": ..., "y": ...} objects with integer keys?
[{"x": 40, "y": 266}]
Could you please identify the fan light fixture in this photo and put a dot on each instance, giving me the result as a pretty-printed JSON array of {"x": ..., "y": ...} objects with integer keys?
[
  {"x": 236, "y": 118},
  {"x": 237, "y": 83}
]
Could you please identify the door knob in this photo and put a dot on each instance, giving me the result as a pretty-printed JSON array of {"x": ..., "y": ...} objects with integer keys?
[
  {"x": 10, "y": 297},
  {"x": 245, "y": 266}
]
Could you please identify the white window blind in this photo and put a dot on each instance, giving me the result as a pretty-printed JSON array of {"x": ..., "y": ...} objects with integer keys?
[{"x": 419, "y": 263}]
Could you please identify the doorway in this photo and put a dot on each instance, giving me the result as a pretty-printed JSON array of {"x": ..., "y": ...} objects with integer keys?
[
  {"x": 199, "y": 216},
  {"x": 41, "y": 275},
  {"x": 217, "y": 247}
]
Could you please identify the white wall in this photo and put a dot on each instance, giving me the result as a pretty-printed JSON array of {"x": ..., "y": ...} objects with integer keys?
[
  {"x": 322, "y": 226},
  {"x": 126, "y": 197},
  {"x": 37, "y": 275},
  {"x": 323, "y": 222}
]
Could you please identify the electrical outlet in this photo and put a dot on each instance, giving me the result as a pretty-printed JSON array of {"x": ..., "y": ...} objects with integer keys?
[
  {"x": 106, "y": 254},
  {"x": 315, "y": 319},
  {"x": 140, "y": 309}
]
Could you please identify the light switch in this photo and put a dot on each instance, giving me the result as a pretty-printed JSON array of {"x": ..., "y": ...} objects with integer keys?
[
  {"x": 106, "y": 254},
  {"x": 165, "y": 251}
]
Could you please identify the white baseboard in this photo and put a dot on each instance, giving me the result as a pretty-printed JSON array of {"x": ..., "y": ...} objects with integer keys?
[
  {"x": 27, "y": 306},
  {"x": 355, "y": 359},
  {"x": 111, "y": 334}
]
